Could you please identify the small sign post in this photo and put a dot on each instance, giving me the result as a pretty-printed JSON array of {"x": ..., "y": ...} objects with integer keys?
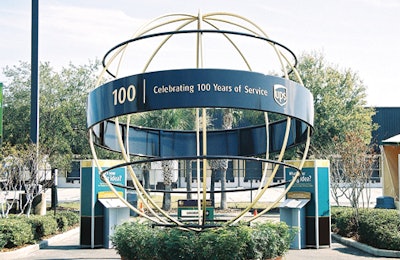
[{"x": 188, "y": 210}]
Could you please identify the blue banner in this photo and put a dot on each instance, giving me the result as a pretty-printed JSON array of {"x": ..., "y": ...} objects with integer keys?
[{"x": 197, "y": 88}]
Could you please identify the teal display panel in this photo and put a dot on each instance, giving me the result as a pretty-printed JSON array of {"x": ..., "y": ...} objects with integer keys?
[
  {"x": 91, "y": 210},
  {"x": 315, "y": 180}
]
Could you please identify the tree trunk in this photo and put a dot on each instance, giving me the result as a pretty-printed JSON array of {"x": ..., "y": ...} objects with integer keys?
[
  {"x": 167, "y": 172},
  {"x": 188, "y": 179},
  {"x": 39, "y": 204},
  {"x": 212, "y": 187},
  {"x": 224, "y": 204},
  {"x": 167, "y": 198},
  {"x": 146, "y": 179},
  {"x": 227, "y": 124}
]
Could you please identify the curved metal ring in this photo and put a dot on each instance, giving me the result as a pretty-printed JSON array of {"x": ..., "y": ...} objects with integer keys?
[
  {"x": 208, "y": 157},
  {"x": 197, "y": 31}
]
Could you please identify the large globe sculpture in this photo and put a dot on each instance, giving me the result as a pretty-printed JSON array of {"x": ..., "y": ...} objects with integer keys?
[{"x": 199, "y": 63}]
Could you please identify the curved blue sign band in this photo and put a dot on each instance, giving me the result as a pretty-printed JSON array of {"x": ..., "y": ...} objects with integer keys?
[
  {"x": 246, "y": 141},
  {"x": 192, "y": 88},
  {"x": 197, "y": 88}
]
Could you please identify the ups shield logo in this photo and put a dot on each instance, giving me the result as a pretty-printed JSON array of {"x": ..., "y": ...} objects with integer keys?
[{"x": 280, "y": 95}]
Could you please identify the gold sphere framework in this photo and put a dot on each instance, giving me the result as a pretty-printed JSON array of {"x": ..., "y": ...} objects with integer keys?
[{"x": 199, "y": 88}]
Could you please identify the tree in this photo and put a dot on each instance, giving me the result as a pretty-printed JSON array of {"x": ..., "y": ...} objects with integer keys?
[
  {"x": 188, "y": 173},
  {"x": 11, "y": 179},
  {"x": 351, "y": 169},
  {"x": 25, "y": 176},
  {"x": 222, "y": 165},
  {"x": 342, "y": 127},
  {"x": 166, "y": 119},
  {"x": 62, "y": 109},
  {"x": 339, "y": 103},
  {"x": 16, "y": 103}
]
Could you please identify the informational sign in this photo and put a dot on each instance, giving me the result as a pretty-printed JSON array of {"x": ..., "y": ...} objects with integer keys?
[
  {"x": 190, "y": 88},
  {"x": 314, "y": 179},
  {"x": 92, "y": 190},
  {"x": 200, "y": 88},
  {"x": 188, "y": 210}
]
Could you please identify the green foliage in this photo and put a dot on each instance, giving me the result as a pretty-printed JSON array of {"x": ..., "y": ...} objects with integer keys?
[
  {"x": 339, "y": 101},
  {"x": 15, "y": 232},
  {"x": 135, "y": 240},
  {"x": 271, "y": 240},
  {"x": 20, "y": 230},
  {"x": 178, "y": 244},
  {"x": 42, "y": 226},
  {"x": 16, "y": 102},
  {"x": 344, "y": 221},
  {"x": 66, "y": 219},
  {"x": 62, "y": 222},
  {"x": 379, "y": 228},
  {"x": 224, "y": 243},
  {"x": 62, "y": 109},
  {"x": 166, "y": 119},
  {"x": 3, "y": 240}
]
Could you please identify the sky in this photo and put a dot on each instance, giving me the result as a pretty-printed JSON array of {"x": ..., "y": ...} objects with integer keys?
[{"x": 361, "y": 35}]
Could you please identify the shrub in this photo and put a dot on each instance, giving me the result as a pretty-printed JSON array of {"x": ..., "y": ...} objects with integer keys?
[
  {"x": 230, "y": 242},
  {"x": 66, "y": 219},
  {"x": 42, "y": 226},
  {"x": 15, "y": 232},
  {"x": 380, "y": 228},
  {"x": 3, "y": 240},
  {"x": 177, "y": 244},
  {"x": 271, "y": 239},
  {"x": 131, "y": 240},
  {"x": 343, "y": 221},
  {"x": 135, "y": 240},
  {"x": 19, "y": 230},
  {"x": 73, "y": 217},
  {"x": 62, "y": 222}
]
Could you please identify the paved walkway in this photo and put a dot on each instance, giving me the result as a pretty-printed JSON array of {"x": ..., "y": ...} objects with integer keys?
[{"x": 66, "y": 246}]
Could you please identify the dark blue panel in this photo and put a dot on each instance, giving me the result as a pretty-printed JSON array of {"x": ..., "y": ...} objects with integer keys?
[
  {"x": 248, "y": 141},
  {"x": 199, "y": 88},
  {"x": 253, "y": 170},
  {"x": 196, "y": 88},
  {"x": 388, "y": 119}
]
